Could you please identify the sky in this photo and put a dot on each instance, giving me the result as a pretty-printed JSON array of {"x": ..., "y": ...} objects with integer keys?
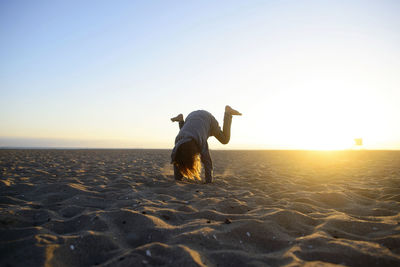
[{"x": 110, "y": 74}]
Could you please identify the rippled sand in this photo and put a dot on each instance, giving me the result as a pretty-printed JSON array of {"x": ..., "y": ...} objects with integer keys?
[{"x": 265, "y": 208}]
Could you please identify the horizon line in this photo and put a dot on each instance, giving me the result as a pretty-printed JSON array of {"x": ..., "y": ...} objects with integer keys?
[{"x": 138, "y": 148}]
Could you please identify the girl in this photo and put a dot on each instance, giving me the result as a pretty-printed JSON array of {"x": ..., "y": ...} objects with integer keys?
[{"x": 191, "y": 145}]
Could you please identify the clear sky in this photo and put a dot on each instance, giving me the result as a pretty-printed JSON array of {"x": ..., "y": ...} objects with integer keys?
[{"x": 305, "y": 74}]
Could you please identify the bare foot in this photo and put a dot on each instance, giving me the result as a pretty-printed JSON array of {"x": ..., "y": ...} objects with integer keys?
[
  {"x": 177, "y": 118},
  {"x": 232, "y": 111}
]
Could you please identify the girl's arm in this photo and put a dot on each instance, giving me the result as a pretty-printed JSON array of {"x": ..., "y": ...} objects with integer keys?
[{"x": 207, "y": 163}]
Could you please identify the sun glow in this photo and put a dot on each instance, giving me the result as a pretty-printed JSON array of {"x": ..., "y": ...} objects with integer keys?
[{"x": 316, "y": 115}]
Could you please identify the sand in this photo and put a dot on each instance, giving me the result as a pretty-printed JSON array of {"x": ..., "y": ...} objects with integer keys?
[{"x": 265, "y": 208}]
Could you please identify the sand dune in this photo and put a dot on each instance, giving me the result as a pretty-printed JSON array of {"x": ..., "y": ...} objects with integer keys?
[{"x": 265, "y": 208}]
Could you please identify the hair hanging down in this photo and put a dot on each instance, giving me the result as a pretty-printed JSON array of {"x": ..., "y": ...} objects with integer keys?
[{"x": 187, "y": 160}]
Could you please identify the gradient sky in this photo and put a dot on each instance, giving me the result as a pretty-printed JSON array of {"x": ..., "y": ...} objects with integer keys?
[{"x": 305, "y": 74}]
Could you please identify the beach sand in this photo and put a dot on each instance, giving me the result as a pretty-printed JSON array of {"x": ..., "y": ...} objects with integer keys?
[{"x": 265, "y": 208}]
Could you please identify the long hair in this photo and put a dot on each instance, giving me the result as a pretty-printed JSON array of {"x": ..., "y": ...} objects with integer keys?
[{"x": 187, "y": 160}]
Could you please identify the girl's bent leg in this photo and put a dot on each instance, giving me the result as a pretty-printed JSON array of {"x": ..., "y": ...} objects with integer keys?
[
  {"x": 179, "y": 119},
  {"x": 181, "y": 123},
  {"x": 225, "y": 135}
]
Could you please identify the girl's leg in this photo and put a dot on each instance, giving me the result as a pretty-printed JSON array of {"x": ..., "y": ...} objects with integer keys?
[
  {"x": 225, "y": 135},
  {"x": 179, "y": 119}
]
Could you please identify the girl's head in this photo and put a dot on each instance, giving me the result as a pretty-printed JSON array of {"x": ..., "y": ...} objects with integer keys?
[{"x": 187, "y": 159}]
